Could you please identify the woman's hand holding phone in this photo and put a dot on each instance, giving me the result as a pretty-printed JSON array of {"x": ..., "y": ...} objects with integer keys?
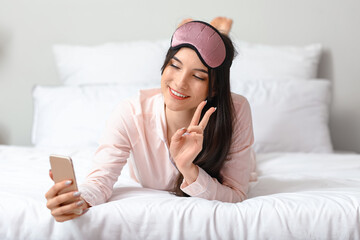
[
  {"x": 55, "y": 202},
  {"x": 63, "y": 199}
]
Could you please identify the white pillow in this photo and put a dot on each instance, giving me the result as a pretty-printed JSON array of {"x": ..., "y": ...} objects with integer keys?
[
  {"x": 257, "y": 61},
  {"x": 289, "y": 116},
  {"x": 140, "y": 61},
  {"x": 75, "y": 116},
  {"x": 128, "y": 62}
]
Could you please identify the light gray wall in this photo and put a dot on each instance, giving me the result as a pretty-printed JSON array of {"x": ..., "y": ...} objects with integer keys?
[{"x": 29, "y": 28}]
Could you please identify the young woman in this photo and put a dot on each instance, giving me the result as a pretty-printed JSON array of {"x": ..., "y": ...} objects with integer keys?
[{"x": 192, "y": 137}]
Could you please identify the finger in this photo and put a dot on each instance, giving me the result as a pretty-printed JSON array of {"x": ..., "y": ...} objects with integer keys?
[
  {"x": 178, "y": 134},
  {"x": 51, "y": 175},
  {"x": 58, "y": 200},
  {"x": 73, "y": 208},
  {"x": 78, "y": 211},
  {"x": 56, "y": 188},
  {"x": 196, "y": 129},
  {"x": 196, "y": 118},
  {"x": 198, "y": 139},
  {"x": 206, "y": 117}
]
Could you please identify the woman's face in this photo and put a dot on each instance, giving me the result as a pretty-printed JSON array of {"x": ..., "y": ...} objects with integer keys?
[{"x": 185, "y": 81}]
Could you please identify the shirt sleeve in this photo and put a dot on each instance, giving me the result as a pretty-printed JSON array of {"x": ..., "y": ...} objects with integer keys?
[
  {"x": 238, "y": 169},
  {"x": 109, "y": 158}
]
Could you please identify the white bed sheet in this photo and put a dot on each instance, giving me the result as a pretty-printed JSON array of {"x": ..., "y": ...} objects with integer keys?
[{"x": 297, "y": 196}]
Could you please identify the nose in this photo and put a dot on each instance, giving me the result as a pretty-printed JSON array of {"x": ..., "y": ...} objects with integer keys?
[{"x": 181, "y": 80}]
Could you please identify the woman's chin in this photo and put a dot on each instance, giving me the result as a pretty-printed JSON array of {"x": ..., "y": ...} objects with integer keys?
[{"x": 174, "y": 106}]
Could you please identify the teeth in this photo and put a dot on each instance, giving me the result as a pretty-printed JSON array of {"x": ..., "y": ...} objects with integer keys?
[{"x": 177, "y": 94}]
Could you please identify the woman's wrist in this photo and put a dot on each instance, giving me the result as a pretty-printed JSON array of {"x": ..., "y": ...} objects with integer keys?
[{"x": 190, "y": 173}]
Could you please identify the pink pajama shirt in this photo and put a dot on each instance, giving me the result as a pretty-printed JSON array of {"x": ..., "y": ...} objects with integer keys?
[{"x": 138, "y": 126}]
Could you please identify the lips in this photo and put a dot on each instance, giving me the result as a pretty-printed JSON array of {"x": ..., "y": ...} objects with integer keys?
[{"x": 176, "y": 94}]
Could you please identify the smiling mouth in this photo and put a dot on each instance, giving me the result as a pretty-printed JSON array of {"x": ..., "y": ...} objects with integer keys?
[{"x": 176, "y": 94}]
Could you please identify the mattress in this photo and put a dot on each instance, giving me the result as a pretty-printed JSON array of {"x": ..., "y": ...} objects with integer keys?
[{"x": 296, "y": 196}]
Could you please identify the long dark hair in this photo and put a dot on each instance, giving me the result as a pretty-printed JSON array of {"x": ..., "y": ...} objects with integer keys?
[{"x": 218, "y": 133}]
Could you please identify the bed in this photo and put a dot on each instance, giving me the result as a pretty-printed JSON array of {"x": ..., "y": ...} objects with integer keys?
[{"x": 304, "y": 189}]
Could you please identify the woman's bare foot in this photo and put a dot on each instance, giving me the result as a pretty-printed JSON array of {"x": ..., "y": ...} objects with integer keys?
[
  {"x": 186, "y": 20},
  {"x": 222, "y": 24}
]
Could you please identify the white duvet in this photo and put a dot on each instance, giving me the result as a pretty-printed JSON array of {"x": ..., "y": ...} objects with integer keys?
[{"x": 297, "y": 196}]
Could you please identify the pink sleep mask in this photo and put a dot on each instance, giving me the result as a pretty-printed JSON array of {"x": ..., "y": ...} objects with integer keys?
[{"x": 204, "y": 39}]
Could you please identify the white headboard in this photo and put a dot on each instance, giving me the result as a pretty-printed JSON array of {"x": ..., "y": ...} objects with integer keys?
[{"x": 28, "y": 29}]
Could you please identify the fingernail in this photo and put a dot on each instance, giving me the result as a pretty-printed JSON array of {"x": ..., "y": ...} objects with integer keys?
[
  {"x": 79, "y": 203},
  {"x": 78, "y": 211},
  {"x": 215, "y": 109},
  {"x": 186, "y": 133},
  {"x": 77, "y": 194},
  {"x": 205, "y": 101},
  {"x": 182, "y": 128},
  {"x": 68, "y": 182}
]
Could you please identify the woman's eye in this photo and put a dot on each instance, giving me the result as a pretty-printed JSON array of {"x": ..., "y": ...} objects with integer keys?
[
  {"x": 200, "y": 78},
  {"x": 174, "y": 66}
]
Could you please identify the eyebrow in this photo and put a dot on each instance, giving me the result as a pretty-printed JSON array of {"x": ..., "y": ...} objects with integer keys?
[{"x": 196, "y": 69}]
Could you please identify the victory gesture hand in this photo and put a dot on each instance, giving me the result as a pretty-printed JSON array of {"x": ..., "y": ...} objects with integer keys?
[{"x": 187, "y": 143}]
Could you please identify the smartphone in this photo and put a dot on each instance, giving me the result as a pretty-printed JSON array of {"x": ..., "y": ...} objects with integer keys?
[{"x": 62, "y": 169}]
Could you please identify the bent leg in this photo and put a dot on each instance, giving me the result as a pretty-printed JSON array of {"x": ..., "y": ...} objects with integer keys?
[{"x": 222, "y": 24}]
